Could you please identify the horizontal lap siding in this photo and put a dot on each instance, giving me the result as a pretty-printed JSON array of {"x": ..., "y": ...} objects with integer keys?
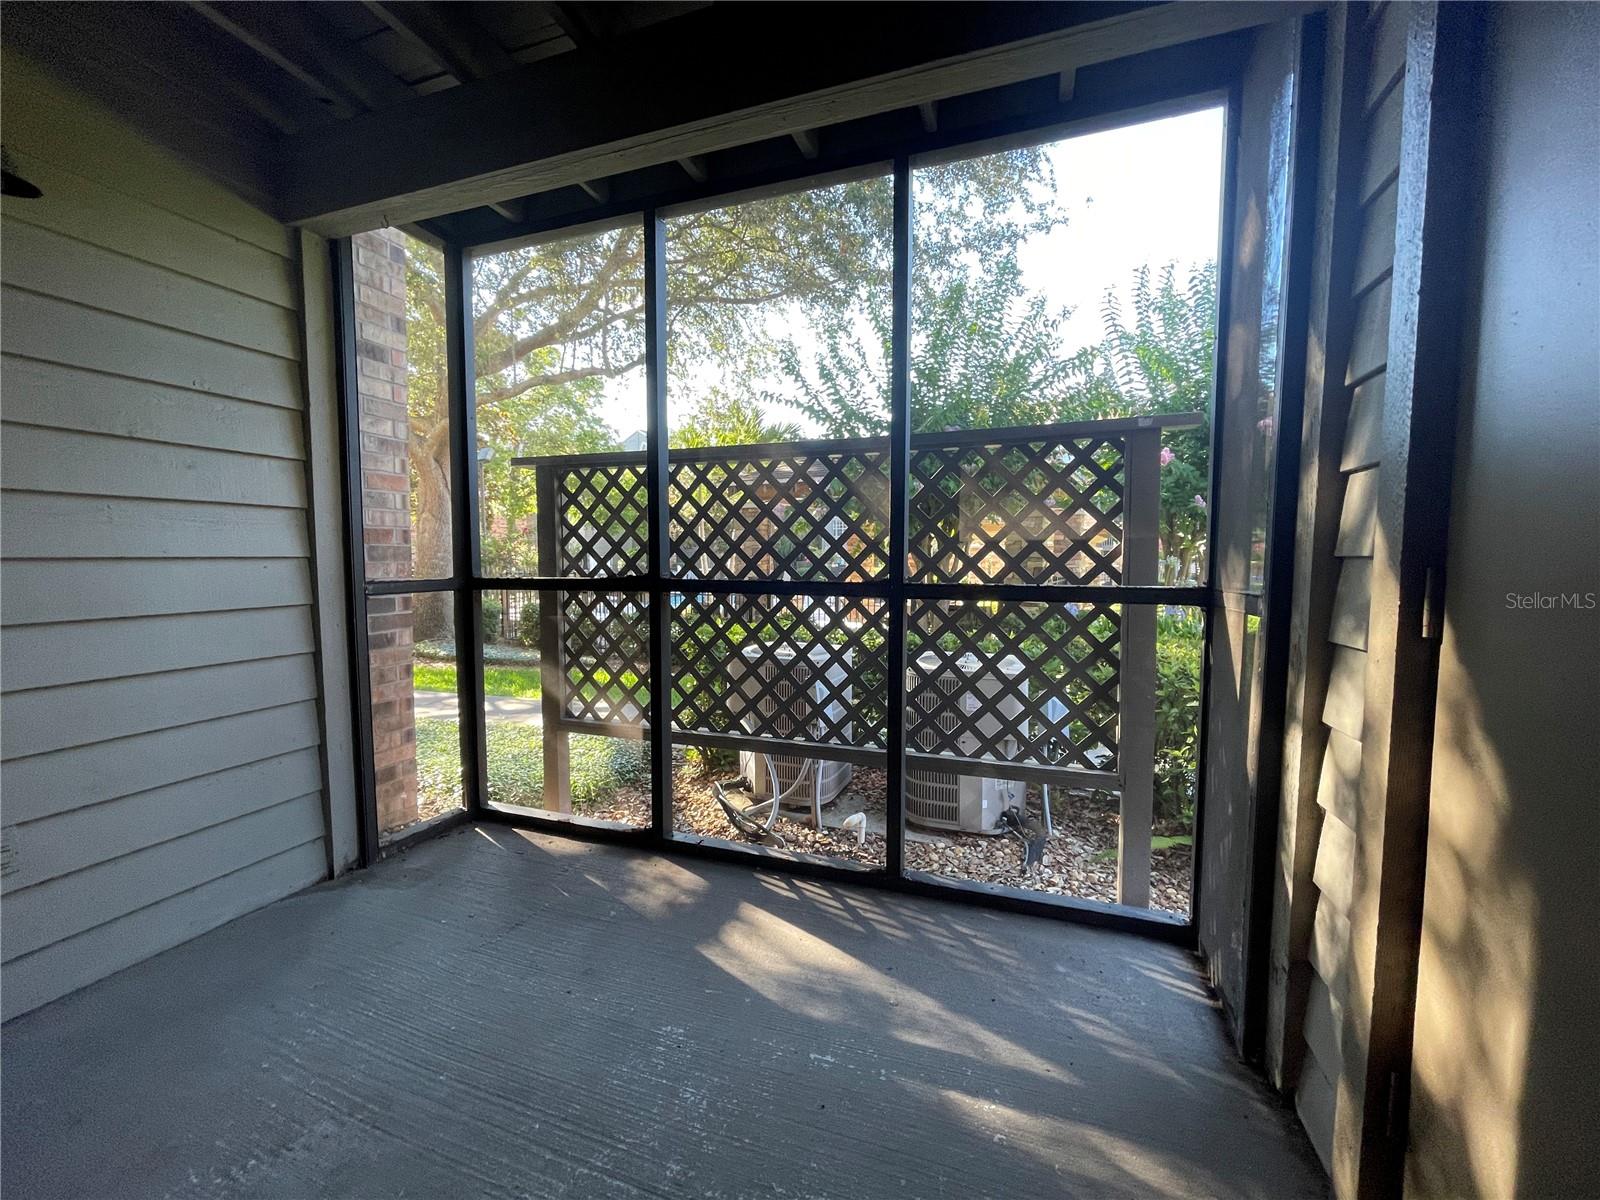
[
  {"x": 1368, "y": 306},
  {"x": 160, "y": 740}
]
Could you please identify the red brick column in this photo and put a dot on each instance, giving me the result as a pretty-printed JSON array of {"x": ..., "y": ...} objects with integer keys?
[{"x": 380, "y": 279}]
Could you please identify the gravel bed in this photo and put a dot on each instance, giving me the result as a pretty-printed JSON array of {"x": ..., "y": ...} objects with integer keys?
[{"x": 1079, "y": 861}]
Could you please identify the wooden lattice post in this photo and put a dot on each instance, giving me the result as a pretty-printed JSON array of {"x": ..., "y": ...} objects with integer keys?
[
  {"x": 552, "y": 678},
  {"x": 1136, "y": 741}
]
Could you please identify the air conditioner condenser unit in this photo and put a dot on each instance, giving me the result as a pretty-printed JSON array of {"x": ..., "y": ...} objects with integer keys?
[
  {"x": 967, "y": 803},
  {"x": 818, "y": 686}
]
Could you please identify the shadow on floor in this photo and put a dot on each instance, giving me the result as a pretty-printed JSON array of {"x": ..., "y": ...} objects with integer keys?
[{"x": 500, "y": 1013}]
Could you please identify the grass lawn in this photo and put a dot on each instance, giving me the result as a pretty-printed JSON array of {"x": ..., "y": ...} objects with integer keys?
[
  {"x": 600, "y": 765},
  {"x": 522, "y": 682}
]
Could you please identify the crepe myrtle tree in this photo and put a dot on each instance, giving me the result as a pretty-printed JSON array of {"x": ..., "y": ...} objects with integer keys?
[
  {"x": 555, "y": 320},
  {"x": 987, "y": 353}
]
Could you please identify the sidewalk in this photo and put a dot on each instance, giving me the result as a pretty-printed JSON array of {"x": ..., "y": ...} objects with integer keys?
[{"x": 496, "y": 708}]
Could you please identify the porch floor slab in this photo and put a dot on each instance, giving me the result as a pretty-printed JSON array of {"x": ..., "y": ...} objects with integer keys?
[{"x": 506, "y": 1014}]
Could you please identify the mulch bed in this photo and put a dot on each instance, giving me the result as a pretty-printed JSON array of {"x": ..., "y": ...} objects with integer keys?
[{"x": 1079, "y": 861}]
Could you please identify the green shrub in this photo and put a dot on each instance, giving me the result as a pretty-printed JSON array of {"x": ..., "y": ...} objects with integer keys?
[
  {"x": 528, "y": 623},
  {"x": 491, "y": 618},
  {"x": 1179, "y": 649},
  {"x": 711, "y": 761}
]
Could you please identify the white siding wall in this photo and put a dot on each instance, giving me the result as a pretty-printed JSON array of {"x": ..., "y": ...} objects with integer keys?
[{"x": 161, "y": 740}]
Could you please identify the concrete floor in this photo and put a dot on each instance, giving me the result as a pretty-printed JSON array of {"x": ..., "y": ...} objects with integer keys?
[{"x": 506, "y": 1014}]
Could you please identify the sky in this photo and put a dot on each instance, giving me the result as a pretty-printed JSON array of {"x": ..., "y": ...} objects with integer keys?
[{"x": 1143, "y": 194}]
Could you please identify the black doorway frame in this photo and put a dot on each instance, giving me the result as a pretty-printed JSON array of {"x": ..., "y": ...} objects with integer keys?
[{"x": 467, "y": 583}]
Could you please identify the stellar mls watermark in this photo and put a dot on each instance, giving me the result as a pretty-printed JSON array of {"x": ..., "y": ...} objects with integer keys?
[{"x": 1579, "y": 601}]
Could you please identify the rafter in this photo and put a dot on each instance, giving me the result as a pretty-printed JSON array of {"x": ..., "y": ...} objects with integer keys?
[
  {"x": 694, "y": 167},
  {"x": 806, "y": 139},
  {"x": 458, "y": 147},
  {"x": 341, "y": 76},
  {"x": 458, "y": 44},
  {"x": 576, "y": 25}
]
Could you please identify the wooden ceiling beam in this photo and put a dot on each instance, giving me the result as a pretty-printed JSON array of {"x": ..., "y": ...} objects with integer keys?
[
  {"x": 162, "y": 43},
  {"x": 580, "y": 31},
  {"x": 447, "y": 35},
  {"x": 694, "y": 167},
  {"x": 342, "y": 76},
  {"x": 597, "y": 190},
  {"x": 928, "y": 110},
  {"x": 806, "y": 140},
  {"x": 635, "y": 107}
]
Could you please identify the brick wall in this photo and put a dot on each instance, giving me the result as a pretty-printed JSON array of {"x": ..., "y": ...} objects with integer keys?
[{"x": 380, "y": 279}]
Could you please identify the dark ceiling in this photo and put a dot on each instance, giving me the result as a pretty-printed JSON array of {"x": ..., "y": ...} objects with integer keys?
[
  {"x": 288, "y": 67},
  {"x": 311, "y": 108}
]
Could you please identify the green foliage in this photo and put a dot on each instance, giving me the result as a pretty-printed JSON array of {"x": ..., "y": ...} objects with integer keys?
[
  {"x": 1179, "y": 651},
  {"x": 438, "y": 759},
  {"x": 443, "y": 650},
  {"x": 988, "y": 354},
  {"x": 555, "y": 419},
  {"x": 528, "y": 623},
  {"x": 720, "y": 419},
  {"x": 490, "y": 617},
  {"x": 554, "y": 321},
  {"x": 710, "y": 761},
  {"x": 599, "y": 765},
  {"x": 1158, "y": 358}
]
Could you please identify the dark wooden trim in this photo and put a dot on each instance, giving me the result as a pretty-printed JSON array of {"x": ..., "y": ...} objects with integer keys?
[
  {"x": 425, "y": 831},
  {"x": 472, "y": 145},
  {"x": 407, "y": 587},
  {"x": 468, "y": 583},
  {"x": 1004, "y": 435},
  {"x": 565, "y": 583},
  {"x": 1152, "y": 923},
  {"x": 462, "y": 387},
  {"x": 295, "y": 42},
  {"x": 1225, "y": 241},
  {"x": 344, "y": 305},
  {"x": 1320, "y": 491},
  {"x": 1418, "y": 456},
  {"x": 1278, "y": 570},
  {"x": 876, "y": 589},
  {"x": 448, "y": 36},
  {"x": 660, "y": 516},
  {"x": 904, "y": 223}
]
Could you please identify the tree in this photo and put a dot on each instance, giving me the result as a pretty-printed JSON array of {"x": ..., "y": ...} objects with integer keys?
[
  {"x": 560, "y": 419},
  {"x": 721, "y": 419},
  {"x": 987, "y": 354},
  {"x": 553, "y": 317},
  {"x": 1161, "y": 361}
]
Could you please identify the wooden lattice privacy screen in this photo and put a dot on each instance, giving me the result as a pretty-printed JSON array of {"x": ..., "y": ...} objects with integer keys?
[{"x": 1036, "y": 687}]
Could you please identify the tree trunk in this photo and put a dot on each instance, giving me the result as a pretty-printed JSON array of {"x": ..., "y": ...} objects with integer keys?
[{"x": 432, "y": 551}]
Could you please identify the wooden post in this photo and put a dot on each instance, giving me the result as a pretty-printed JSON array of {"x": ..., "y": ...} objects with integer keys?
[
  {"x": 1417, "y": 452},
  {"x": 552, "y": 678},
  {"x": 1136, "y": 736}
]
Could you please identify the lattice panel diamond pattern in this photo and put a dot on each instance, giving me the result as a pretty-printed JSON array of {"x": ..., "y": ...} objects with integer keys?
[
  {"x": 605, "y": 652},
  {"x": 1042, "y": 511},
  {"x": 796, "y": 668},
  {"x": 603, "y": 514},
  {"x": 1014, "y": 682},
  {"x": 798, "y": 515}
]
